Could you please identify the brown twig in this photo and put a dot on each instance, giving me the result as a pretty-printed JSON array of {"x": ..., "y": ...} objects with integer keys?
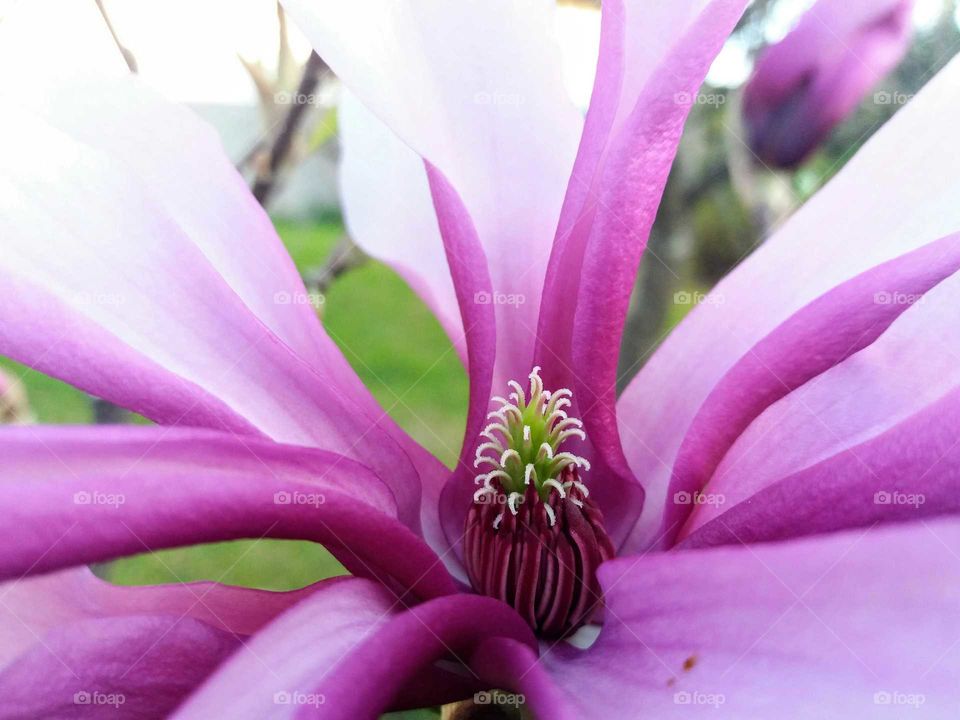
[
  {"x": 266, "y": 181},
  {"x": 128, "y": 57},
  {"x": 344, "y": 257}
]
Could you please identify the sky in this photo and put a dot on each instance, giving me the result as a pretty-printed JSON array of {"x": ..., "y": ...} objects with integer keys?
[{"x": 189, "y": 48}]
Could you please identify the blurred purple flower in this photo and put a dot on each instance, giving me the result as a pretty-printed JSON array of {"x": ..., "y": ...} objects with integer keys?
[
  {"x": 810, "y": 81},
  {"x": 815, "y": 396}
]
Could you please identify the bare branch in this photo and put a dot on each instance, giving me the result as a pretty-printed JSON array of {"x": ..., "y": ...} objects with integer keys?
[
  {"x": 128, "y": 57},
  {"x": 264, "y": 186}
]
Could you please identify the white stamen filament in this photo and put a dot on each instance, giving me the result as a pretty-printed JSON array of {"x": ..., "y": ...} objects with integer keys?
[
  {"x": 513, "y": 500},
  {"x": 572, "y": 432},
  {"x": 530, "y": 471},
  {"x": 551, "y": 514},
  {"x": 557, "y": 485},
  {"x": 578, "y": 485},
  {"x": 510, "y": 454},
  {"x": 518, "y": 392}
]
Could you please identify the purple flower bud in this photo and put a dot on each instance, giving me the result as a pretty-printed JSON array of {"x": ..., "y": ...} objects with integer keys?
[{"x": 811, "y": 80}]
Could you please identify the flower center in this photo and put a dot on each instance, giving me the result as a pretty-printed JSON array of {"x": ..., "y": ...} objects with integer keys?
[{"x": 534, "y": 539}]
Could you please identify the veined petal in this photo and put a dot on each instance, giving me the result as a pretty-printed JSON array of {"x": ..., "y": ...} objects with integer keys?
[
  {"x": 653, "y": 58},
  {"x": 389, "y": 211},
  {"x": 827, "y": 627},
  {"x": 823, "y": 334},
  {"x": 132, "y": 667},
  {"x": 468, "y": 267},
  {"x": 853, "y": 224},
  {"x": 350, "y": 652},
  {"x": 161, "y": 286},
  {"x": 481, "y": 97},
  {"x": 871, "y": 439},
  {"x": 33, "y": 606},
  {"x": 74, "y": 496}
]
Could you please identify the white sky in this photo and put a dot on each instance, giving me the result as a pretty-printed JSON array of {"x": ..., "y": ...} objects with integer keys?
[{"x": 188, "y": 48}]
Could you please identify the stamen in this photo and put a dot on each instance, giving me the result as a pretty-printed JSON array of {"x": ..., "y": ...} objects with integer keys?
[
  {"x": 527, "y": 473},
  {"x": 557, "y": 485},
  {"x": 517, "y": 392},
  {"x": 538, "y": 482},
  {"x": 510, "y": 454}
]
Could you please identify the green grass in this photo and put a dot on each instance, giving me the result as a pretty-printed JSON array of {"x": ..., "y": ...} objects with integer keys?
[{"x": 398, "y": 350}]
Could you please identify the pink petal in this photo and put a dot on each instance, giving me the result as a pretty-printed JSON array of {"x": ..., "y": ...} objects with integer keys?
[
  {"x": 481, "y": 97},
  {"x": 633, "y": 127},
  {"x": 31, "y": 607},
  {"x": 468, "y": 267},
  {"x": 389, "y": 211},
  {"x": 854, "y": 224},
  {"x": 826, "y": 332},
  {"x": 89, "y": 494},
  {"x": 349, "y": 652},
  {"x": 150, "y": 277},
  {"x": 833, "y": 626},
  {"x": 134, "y": 667},
  {"x": 871, "y": 439}
]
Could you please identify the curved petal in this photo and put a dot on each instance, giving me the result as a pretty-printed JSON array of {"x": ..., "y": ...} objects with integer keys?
[
  {"x": 151, "y": 277},
  {"x": 83, "y": 495},
  {"x": 826, "y": 332},
  {"x": 348, "y": 651},
  {"x": 32, "y": 606},
  {"x": 633, "y": 127},
  {"x": 853, "y": 224},
  {"x": 871, "y": 439},
  {"x": 829, "y": 627},
  {"x": 480, "y": 95},
  {"x": 134, "y": 667},
  {"x": 388, "y": 211},
  {"x": 471, "y": 277}
]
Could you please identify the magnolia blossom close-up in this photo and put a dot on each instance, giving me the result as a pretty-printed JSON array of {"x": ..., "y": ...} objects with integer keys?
[{"x": 760, "y": 525}]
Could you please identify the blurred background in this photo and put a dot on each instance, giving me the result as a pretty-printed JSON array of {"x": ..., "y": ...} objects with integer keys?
[{"x": 253, "y": 77}]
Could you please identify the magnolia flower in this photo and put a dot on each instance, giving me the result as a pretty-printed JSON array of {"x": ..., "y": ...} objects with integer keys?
[
  {"x": 748, "y": 531},
  {"x": 810, "y": 81}
]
